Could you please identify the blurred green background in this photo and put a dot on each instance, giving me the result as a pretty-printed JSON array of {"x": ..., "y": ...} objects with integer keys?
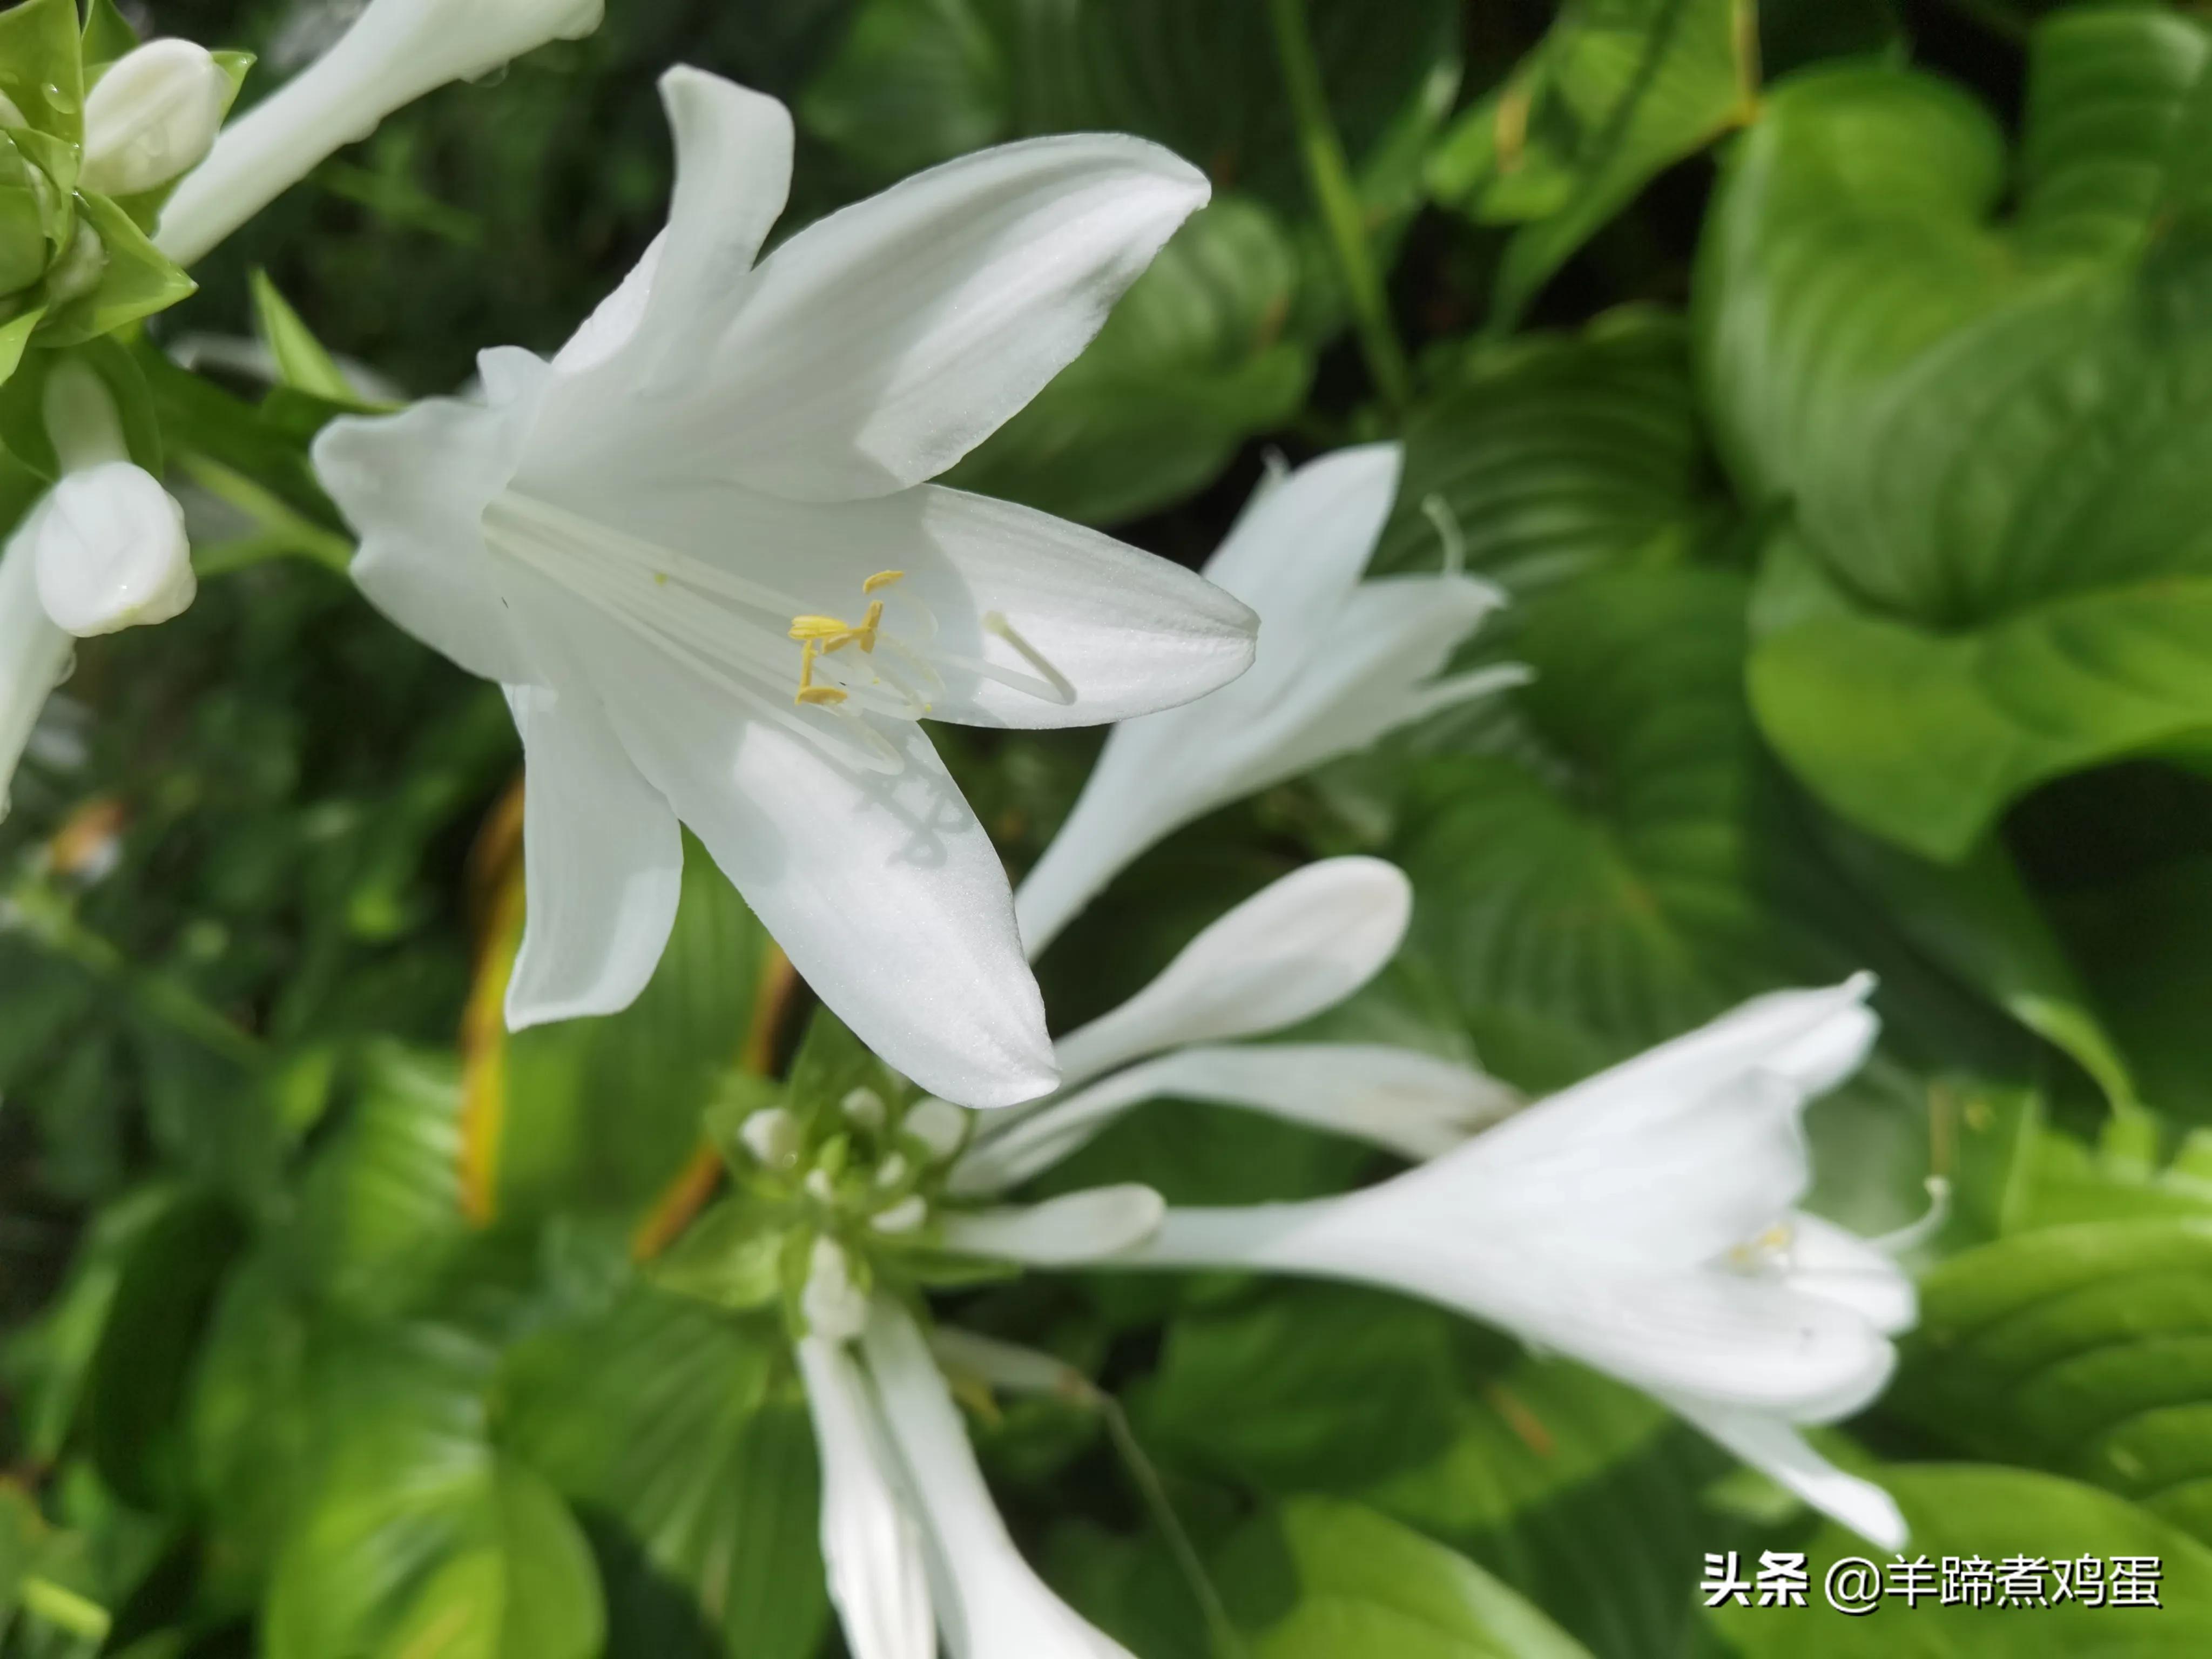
[{"x": 1828, "y": 382}]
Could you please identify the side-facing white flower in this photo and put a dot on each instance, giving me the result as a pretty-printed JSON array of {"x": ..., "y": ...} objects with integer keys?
[
  {"x": 1340, "y": 662},
  {"x": 702, "y": 544},
  {"x": 103, "y": 550},
  {"x": 901, "y": 1487},
  {"x": 396, "y": 50},
  {"x": 152, "y": 116},
  {"x": 1644, "y": 1223},
  {"x": 1298, "y": 947}
]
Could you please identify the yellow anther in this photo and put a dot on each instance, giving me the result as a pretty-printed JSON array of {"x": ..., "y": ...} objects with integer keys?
[
  {"x": 826, "y": 636},
  {"x": 881, "y": 579},
  {"x": 828, "y": 694},
  {"x": 818, "y": 628}
]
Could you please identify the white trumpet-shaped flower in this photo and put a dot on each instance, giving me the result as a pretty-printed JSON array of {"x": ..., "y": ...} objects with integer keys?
[
  {"x": 394, "y": 53},
  {"x": 901, "y": 1487},
  {"x": 1644, "y": 1223},
  {"x": 1341, "y": 662},
  {"x": 104, "y": 549},
  {"x": 1296, "y": 949},
  {"x": 154, "y": 115},
  {"x": 701, "y": 544}
]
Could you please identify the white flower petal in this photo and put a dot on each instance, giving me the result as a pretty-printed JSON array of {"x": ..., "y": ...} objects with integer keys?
[
  {"x": 414, "y": 487},
  {"x": 1125, "y": 631},
  {"x": 1298, "y": 946},
  {"x": 871, "y": 1545},
  {"x": 733, "y": 148},
  {"x": 882, "y": 889},
  {"x": 1298, "y": 551},
  {"x": 603, "y": 862},
  {"x": 881, "y": 345},
  {"x": 1086, "y": 1226},
  {"x": 1822, "y": 1259},
  {"x": 32, "y": 651},
  {"x": 1006, "y": 1365},
  {"x": 396, "y": 50},
  {"x": 1413, "y": 1104},
  {"x": 1781, "y": 1452},
  {"x": 992, "y": 1604}
]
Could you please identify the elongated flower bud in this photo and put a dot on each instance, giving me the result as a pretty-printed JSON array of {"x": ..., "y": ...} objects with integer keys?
[
  {"x": 397, "y": 50},
  {"x": 153, "y": 117},
  {"x": 111, "y": 552}
]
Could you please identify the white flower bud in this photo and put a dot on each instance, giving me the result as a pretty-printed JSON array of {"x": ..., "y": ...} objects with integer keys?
[
  {"x": 938, "y": 1125},
  {"x": 153, "y": 117},
  {"x": 835, "y": 1309},
  {"x": 111, "y": 551},
  {"x": 772, "y": 1135},
  {"x": 396, "y": 50}
]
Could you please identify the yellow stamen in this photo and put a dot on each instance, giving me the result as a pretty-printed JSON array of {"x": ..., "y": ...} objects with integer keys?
[
  {"x": 828, "y": 695},
  {"x": 881, "y": 579},
  {"x": 825, "y": 635}
]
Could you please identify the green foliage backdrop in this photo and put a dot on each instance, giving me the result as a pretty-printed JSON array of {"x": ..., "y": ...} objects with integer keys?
[{"x": 1829, "y": 382}]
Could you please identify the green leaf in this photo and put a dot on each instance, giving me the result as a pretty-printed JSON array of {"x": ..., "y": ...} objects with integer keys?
[
  {"x": 41, "y": 72},
  {"x": 1617, "y": 91},
  {"x": 2140, "y": 940},
  {"x": 1306, "y": 1388},
  {"x": 2085, "y": 1350},
  {"x": 679, "y": 1435},
  {"x": 1978, "y": 919},
  {"x": 138, "y": 280},
  {"x": 1989, "y": 425},
  {"x": 1192, "y": 362},
  {"x": 107, "y": 36},
  {"x": 1554, "y": 456},
  {"x": 1615, "y": 892},
  {"x": 139, "y": 1382},
  {"x": 1993, "y": 1513},
  {"x": 421, "y": 1538},
  {"x": 918, "y": 82},
  {"x": 301, "y": 362},
  {"x": 1319, "y": 1580},
  {"x": 379, "y": 1215}
]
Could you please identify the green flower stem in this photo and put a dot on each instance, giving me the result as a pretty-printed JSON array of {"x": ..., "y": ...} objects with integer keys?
[
  {"x": 46, "y": 917},
  {"x": 1342, "y": 215},
  {"x": 282, "y": 532},
  {"x": 1227, "y": 1645}
]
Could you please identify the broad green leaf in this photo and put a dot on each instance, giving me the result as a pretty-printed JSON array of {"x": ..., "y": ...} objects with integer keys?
[
  {"x": 1582, "y": 1495},
  {"x": 136, "y": 1388},
  {"x": 421, "y": 1538},
  {"x": 1306, "y": 1388},
  {"x": 1969, "y": 1510},
  {"x": 302, "y": 363},
  {"x": 1318, "y": 1580},
  {"x": 1618, "y": 90},
  {"x": 1192, "y": 361},
  {"x": 1978, "y": 919},
  {"x": 108, "y": 35},
  {"x": 918, "y": 82},
  {"x": 1984, "y": 405},
  {"x": 2141, "y": 943},
  {"x": 379, "y": 1215},
  {"x": 1616, "y": 891},
  {"x": 2087, "y": 1350},
  {"x": 1554, "y": 456},
  {"x": 679, "y": 1436}
]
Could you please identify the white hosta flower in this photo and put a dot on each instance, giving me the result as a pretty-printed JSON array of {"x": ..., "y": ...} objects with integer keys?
[
  {"x": 154, "y": 115},
  {"x": 1644, "y": 1223},
  {"x": 872, "y": 1547},
  {"x": 104, "y": 549},
  {"x": 112, "y": 551},
  {"x": 703, "y": 539},
  {"x": 1300, "y": 946},
  {"x": 397, "y": 50},
  {"x": 1340, "y": 662}
]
